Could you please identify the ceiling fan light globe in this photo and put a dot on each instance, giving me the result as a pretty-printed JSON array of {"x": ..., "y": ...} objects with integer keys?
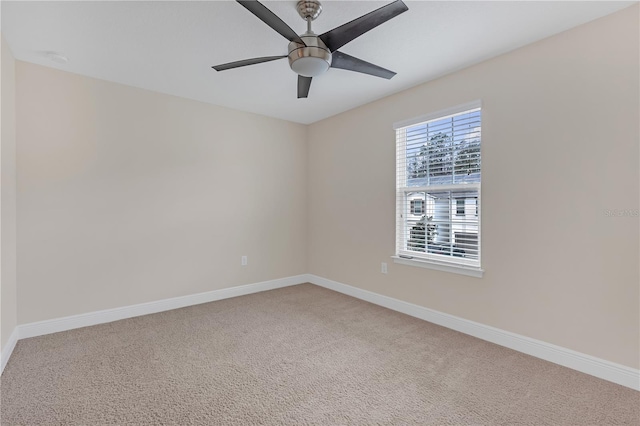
[
  {"x": 309, "y": 66},
  {"x": 310, "y": 59}
]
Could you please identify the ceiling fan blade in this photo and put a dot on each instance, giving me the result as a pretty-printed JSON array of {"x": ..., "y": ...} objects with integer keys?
[
  {"x": 304, "y": 83},
  {"x": 346, "y": 62},
  {"x": 338, "y": 37},
  {"x": 271, "y": 19},
  {"x": 245, "y": 62}
]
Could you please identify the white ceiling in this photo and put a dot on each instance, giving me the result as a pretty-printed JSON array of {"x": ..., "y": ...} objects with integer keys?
[{"x": 169, "y": 47}]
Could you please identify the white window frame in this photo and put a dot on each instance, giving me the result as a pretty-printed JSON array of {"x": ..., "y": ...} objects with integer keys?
[{"x": 433, "y": 261}]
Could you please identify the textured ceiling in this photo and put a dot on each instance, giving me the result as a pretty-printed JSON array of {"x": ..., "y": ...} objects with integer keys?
[{"x": 170, "y": 47}]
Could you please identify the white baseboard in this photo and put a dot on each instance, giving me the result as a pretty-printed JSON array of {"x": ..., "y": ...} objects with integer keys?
[
  {"x": 597, "y": 367},
  {"x": 108, "y": 315},
  {"x": 588, "y": 364},
  {"x": 8, "y": 349}
]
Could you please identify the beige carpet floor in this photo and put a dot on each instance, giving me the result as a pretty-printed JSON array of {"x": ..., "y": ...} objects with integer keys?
[{"x": 298, "y": 355}]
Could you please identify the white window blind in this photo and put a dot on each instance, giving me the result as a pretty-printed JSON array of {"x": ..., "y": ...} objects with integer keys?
[{"x": 439, "y": 168}]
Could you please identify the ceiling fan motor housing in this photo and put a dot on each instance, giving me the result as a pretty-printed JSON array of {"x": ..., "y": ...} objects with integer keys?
[{"x": 310, "y": 59}]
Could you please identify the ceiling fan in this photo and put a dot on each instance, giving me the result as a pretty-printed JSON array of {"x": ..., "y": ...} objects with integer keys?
[{"x": 310, "y": 55}]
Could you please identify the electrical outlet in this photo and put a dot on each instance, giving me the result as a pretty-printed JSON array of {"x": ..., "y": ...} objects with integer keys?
[
  {"x": 243, "y": 262},
  {"x": 383, "y": 268}
]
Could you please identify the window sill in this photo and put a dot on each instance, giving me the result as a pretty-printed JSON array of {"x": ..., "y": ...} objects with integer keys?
[{"x": 456, "y": 269}]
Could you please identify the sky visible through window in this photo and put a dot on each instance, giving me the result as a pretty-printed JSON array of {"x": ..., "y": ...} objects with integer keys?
[{"x": 444, "y": 151}]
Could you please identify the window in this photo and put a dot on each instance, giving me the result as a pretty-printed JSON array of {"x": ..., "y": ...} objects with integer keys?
[
  {"x": 417, "y": 207},
  {"x": 438, "y": 190}
]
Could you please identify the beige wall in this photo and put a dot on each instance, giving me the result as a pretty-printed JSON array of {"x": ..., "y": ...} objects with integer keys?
[
  {"x": 128, "y": 196},
  {"x": 8, "y": 303},
  {"x": 560, "y": 147}
]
